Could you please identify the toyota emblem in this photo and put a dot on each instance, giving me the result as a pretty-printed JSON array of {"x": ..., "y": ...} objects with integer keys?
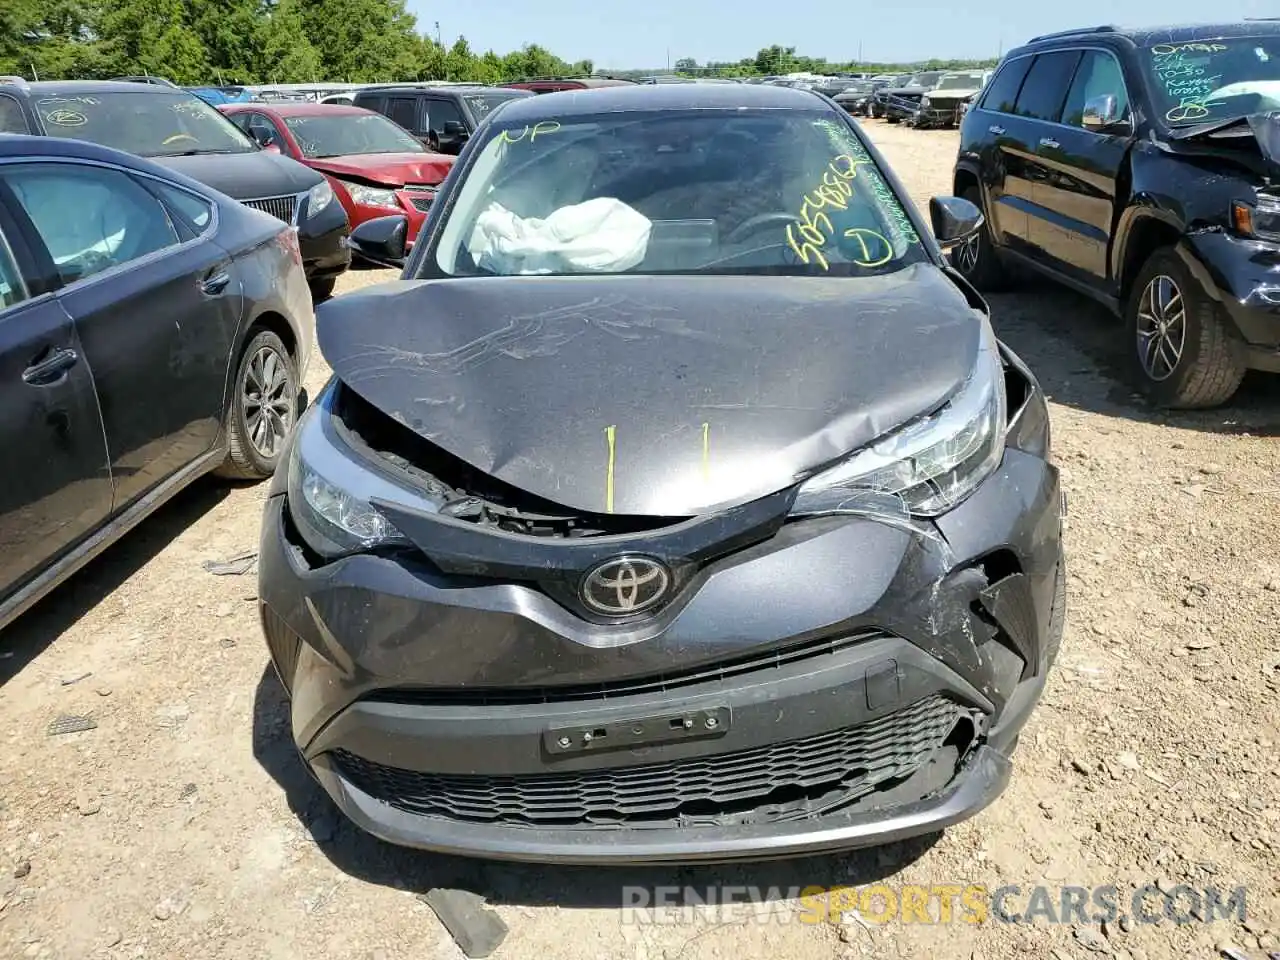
[{"x": 626, "y": 585}]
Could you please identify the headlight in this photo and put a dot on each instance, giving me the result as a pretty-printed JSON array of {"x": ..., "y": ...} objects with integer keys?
[
  {"x": 925, "y": 103},
  {"x": 329, "y": 494},
  {"x": 319, "y": 197},
  {"x": 934, "y": 463},
  {"x": 372, "y": 196},
  {"x": 1260, "y": 220}
]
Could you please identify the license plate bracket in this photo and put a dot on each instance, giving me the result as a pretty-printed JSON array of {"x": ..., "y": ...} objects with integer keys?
[{"x": 638, "y": 732}]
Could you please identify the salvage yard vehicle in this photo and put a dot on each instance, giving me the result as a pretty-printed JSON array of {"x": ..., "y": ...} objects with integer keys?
[
  {"x": 179, "y": 130},
  {"x": 1139, "y": 168},
  {"x": 442, "y": 117},
  {"x": 374, "y": 166},
  {"x": 898, "y": 103},
  {"x": 151, "y": 331},
  {"x": 678, "y": 503},
  {"x": 943, "y": 105},
  {"x": 857, "y": 98}
]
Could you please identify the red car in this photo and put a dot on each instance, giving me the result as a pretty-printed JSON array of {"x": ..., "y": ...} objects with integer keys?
[{"x": 376, "y": 167}]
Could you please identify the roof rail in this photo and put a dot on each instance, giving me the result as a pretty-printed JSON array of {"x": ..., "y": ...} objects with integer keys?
[
  {"x": 1072, "y": 33},
  {"x": 19, "y": 82}
]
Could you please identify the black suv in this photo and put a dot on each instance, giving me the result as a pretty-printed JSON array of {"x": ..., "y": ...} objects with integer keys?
[
  {"x": 442, "y": 117},
  {"x": 1140, "y": 168}
]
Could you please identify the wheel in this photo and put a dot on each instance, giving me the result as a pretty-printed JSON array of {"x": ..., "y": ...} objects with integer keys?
[
  {"x": 893, "y": 119},
  {"x": 1182, "y": 347},
  {"x": 321, "y": 288},
  {"x": 264, "y": 407},
  {"x": 977, "y": 259}
]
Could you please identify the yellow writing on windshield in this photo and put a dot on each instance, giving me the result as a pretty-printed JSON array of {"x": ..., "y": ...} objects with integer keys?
[
  {"x": 1166, "y": 49},
  {"x": 808, "y": 236},
  {"x": 539, "y": 129},
  {"x": 874, "y": 249}
]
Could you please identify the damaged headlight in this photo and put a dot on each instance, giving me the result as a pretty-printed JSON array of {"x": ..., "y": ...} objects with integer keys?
[
  {"x": 330, "y": 494},
  {"x": 371, "y": 196},
  {"x": 1260, "y": 220},
  {"x": 934, "y": 463}
]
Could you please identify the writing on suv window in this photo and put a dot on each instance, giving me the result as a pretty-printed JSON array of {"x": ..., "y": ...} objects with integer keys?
[{"x": 1204, "y": 80}]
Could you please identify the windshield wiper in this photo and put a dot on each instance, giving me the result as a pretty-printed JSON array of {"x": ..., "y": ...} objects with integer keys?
[{"x": 195, "y": 152}]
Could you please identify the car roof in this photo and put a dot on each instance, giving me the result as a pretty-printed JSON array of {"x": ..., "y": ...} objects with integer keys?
[
  {"x": 80, "y": 87},
  {"x": 287, "y": 108},
  {"x": 658, "y": 96},
  {"x": 428, "y": 88},
  {"x": 1150, "y": 36}
]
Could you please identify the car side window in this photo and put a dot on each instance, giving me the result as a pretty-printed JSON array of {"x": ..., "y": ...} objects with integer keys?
[
  {"x": 403, "y": 111},
  {"x": 12, "y": 288},
  {"x": 194, "y": 212},
  {"x": 442, "y": 112},
  {"x": 12, "y": 119},
  {"x": 1002, "y": 91},
  {"x": 1098, "y": 75},
  {"x": 1045, "y": 88},
  {"x": 263, "y": 130},
  {"x": 90, "y": 218}
]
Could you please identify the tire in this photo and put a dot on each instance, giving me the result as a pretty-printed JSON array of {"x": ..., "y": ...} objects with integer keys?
[
  {"x": 978, "y": 261},
  {"x": 1182, "y": 348},
  {"x": 894, "y": 119},
  {"x": 247, "y": 458},
  {"x": 322, "y": 288}
]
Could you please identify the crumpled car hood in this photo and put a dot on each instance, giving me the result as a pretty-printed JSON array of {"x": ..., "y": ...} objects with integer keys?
[
  {"x": 1225, "y": 137},
  {"x": 657, "y": 396}
]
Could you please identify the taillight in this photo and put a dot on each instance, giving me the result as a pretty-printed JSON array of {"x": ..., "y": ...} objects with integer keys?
[{"x": 288, "y": 240}]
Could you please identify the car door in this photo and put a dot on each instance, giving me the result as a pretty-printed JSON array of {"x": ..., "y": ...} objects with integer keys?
[
  {"x": 1037, "y": 112},
  {"x": 55, "y": 489},
  {"x": 155, "y": 302},
  {"x": 405, "y": 112},
  {"x": 1082, "y": 166},
  {"x": 994, "y": 137}
]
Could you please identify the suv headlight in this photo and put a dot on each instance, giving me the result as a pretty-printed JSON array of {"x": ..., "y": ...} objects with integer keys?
[
  {"x": 319, "y": 197},
  {"x": 330, "y": 493},
  {"x": 1259, "y": 220},
  {"x": 371, "y": 196},
  {"x": 933, "y": 463},
  {"x": 925, "y": 103}
]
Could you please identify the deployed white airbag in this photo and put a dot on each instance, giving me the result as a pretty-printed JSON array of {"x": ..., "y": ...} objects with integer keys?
[{"x": 599, "y": 236}]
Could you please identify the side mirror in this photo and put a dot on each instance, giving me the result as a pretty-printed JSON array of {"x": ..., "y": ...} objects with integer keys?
[
  {"x": 382, "y": 240},
  {"x": 455, "y": 128},
  {"x": 954, "y": 220},
  {"x": 1102, "y": 114}
]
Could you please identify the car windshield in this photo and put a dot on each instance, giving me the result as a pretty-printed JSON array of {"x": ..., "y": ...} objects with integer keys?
[
  {"x": 923, "y": 80},
  {"x": 151, "y": 123},
  {"x": 482, "y": 103},
  {"x": 860, "y": 86},
  {"x": 342, "y": 134},
  {"x": 1206, "y": 80},
  {"x": 706, "y": 191},
  {"x": 961, "y": 81}
]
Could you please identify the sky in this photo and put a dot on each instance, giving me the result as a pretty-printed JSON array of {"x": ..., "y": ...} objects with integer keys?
[{"x": 632, "y": 34}]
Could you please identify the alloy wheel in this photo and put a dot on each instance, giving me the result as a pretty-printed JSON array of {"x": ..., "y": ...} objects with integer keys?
[
  {"x": 268, "y": 399},
  {"x": 967, "y": 255},
  {"x": 1162, "y": 327}
]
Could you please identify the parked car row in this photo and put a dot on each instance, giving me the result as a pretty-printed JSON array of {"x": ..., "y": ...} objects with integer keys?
[{"x": 930, "y": 99}]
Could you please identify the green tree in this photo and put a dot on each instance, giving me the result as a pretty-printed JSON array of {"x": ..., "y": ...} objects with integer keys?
[
  {"x": 153, "y": 37},
  {"x": 363, "y": 40},
  {"x": 286, "y": 52}
]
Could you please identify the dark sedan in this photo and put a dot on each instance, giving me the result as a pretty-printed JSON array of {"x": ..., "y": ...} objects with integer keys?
[
  {"x": 151, "y": 331},
  {"x": 679, "y": 502},
  {"x": 181, "y": 131}
]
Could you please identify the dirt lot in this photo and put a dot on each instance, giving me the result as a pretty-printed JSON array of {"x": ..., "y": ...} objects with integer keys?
[{"x": 183, "y": 826}]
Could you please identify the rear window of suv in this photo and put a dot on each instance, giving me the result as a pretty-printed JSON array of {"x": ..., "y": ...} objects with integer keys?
[{"x": 1002, "y": 92}]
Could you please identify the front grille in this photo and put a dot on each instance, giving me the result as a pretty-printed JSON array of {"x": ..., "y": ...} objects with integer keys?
[
  {"x": 422, "y": 201},
  {"x": 281, "y": 208},
  {"x": 769, "y": 660},
  {"x": 785, "y": 781}
]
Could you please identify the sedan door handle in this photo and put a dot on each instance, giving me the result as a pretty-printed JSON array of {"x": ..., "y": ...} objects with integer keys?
[
  {"x": 215, "y": 283},
  {"x": 998, "y": 131},
  {"x": 49, "y": 370},
  {"x": 1049, "y": 142}
]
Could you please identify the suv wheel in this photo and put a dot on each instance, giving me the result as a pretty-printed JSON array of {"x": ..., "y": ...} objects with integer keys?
[
  {"x": 976, "y": 259},
  {"x": 264, "y": 406},
  {"x": 1181, "y": 344}
]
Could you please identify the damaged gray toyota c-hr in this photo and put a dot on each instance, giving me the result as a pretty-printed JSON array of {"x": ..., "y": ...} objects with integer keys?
[{"x": 678, "y": 502}]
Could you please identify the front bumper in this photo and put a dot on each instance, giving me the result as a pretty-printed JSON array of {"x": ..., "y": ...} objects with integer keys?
[
  {"x": 323, "y": 241},
  {"x": 877, "y": 698},
  {"x": 947, "y": 115},
  {"x": 1244, "y": 276}
]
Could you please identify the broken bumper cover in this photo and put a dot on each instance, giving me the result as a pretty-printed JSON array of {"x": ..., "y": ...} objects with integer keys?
[
  {"x": 1244, "y": 276},
  {"x": 868, "y": 683}
]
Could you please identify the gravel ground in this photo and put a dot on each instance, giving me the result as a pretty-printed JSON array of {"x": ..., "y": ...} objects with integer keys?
[{"x": 183, "y": 825}]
